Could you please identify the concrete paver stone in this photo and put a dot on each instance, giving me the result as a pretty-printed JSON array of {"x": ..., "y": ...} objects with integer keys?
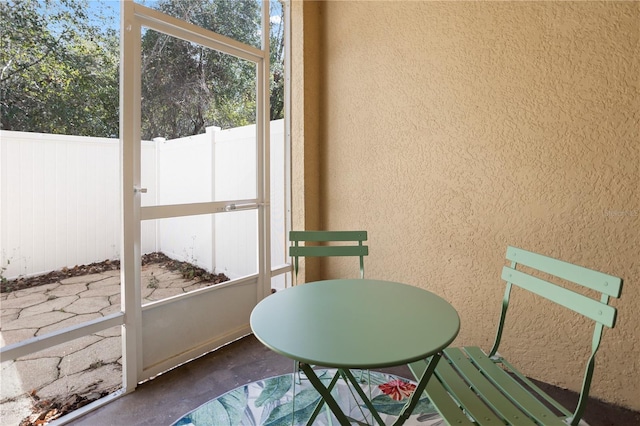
[
  {"x": 65, "y": 349},
  {"x": 52, "y": 304},
  {"x": 110, "y": 332},
  {"x": 25, "y": 301},
  {"x": 68, "y": 290},
  {"x": 11, "y": 411},
  {"x": 86, "y": 305},
  {"x": 105, "y": 377},
  {"x": 15, "y": 336},
  {"x": 9, "y": 315},
  {"x": 36, "y": 290},
  {"x": 37, "y": 321},
  {"x": 106, "y": 291},
  {"x": 105, "y": 351},
  {"x": 36, "y": 373},
  {"x": 74, "y": 319}
]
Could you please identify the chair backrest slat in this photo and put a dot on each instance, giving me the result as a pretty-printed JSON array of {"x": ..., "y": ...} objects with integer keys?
[
  {"x": 326, "y": 236},
  {"x": 593, "y": 309},
  {"x": 321, "y": 251},
  {"x": 595, "y": 280}
]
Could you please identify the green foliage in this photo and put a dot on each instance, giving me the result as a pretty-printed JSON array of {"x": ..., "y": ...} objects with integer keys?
[
  {"x": 276, "y": 50},
  {"x": 59, "y": 72}
]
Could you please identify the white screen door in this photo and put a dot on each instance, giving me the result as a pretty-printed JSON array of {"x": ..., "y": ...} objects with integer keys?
[{"x": 195, "y": 136}]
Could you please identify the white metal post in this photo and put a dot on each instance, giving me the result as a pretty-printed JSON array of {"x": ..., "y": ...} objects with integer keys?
[{"x": 130, "y": 171}]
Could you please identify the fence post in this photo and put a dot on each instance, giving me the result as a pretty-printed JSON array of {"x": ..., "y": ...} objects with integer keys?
[
  {"x": 211, "y": 136},
  {"x": 156, "y": 183}
]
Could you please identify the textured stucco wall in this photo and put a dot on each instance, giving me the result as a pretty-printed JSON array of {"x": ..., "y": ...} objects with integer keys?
[{"x": 450, "y": 130}]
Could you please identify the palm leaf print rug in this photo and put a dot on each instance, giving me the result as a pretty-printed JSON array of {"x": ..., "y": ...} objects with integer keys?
[{"x": 270, "y": 402}]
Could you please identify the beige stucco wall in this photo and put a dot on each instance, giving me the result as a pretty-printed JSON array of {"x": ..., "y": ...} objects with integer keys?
[{"x": 450, "y": 130}]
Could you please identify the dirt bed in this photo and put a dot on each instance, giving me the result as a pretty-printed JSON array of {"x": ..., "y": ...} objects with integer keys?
[{"x": 188, "y": 271}]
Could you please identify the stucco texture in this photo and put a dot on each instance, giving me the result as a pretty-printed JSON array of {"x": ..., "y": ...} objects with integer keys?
[{"x": 450, "y": 130}]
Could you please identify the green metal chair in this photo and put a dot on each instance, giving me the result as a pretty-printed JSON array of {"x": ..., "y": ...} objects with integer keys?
[
  {"x": 478, "y": 388},
  {"x": 325, "y": 244}
]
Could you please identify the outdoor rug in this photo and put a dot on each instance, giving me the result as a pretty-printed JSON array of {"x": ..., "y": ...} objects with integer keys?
[{"x": 269, "y": 402}]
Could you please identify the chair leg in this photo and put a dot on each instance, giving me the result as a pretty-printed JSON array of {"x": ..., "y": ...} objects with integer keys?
[{"x": 296, "y": 372}]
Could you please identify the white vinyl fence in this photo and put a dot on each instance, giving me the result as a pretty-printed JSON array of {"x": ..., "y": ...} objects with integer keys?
[{"x": 60, "y": 199}]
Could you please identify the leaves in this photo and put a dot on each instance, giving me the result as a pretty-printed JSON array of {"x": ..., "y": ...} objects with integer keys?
[
  {"x": 275, "y": 389},
  {"x": 385, "y": 404},
  {"x": 305, "y": 402},
  {"x": 269, "y": 403},
  {"x": 226, "y": 410},
  {"x": 59, "y": 73}
]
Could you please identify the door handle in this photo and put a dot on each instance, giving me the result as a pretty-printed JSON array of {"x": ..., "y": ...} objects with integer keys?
[{"x": 232, "y": 207}]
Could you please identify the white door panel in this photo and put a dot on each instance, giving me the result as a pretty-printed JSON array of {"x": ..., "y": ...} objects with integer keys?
[
  {"x": 215, "y": 216},
  {"x": 200, "y": 322}
]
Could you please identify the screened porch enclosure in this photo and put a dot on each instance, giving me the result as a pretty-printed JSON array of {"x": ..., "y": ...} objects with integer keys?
[{"x": 214, "y": 198}]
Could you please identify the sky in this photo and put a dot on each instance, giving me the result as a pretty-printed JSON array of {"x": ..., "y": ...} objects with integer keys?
[{"x": 112, "y": 8}]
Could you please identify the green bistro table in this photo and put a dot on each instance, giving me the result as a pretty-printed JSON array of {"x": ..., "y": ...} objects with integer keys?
[{"x": 356, "y": 323}]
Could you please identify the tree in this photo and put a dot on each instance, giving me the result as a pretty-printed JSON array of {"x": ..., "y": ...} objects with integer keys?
[
  {"x": 187, "y": 87},
  {"x": 276, "y": 50},
  {"x": 59, "y": 72}
]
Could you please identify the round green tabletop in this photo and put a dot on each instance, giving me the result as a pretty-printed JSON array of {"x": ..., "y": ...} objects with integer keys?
[{"x": 355, "y": 323}]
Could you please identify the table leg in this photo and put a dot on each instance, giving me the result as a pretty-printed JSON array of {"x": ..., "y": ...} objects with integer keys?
[
  {"x": 417, "y": 393},
  {"x": 316, "y": 411},
  {"x": 326, "y": 394},
  {"x": 360, "y": 392}
]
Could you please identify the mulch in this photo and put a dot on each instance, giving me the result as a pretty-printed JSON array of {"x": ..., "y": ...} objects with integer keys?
[
  {"x": 45, "y": 411},
  {"x": 187, "y": 270}
]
